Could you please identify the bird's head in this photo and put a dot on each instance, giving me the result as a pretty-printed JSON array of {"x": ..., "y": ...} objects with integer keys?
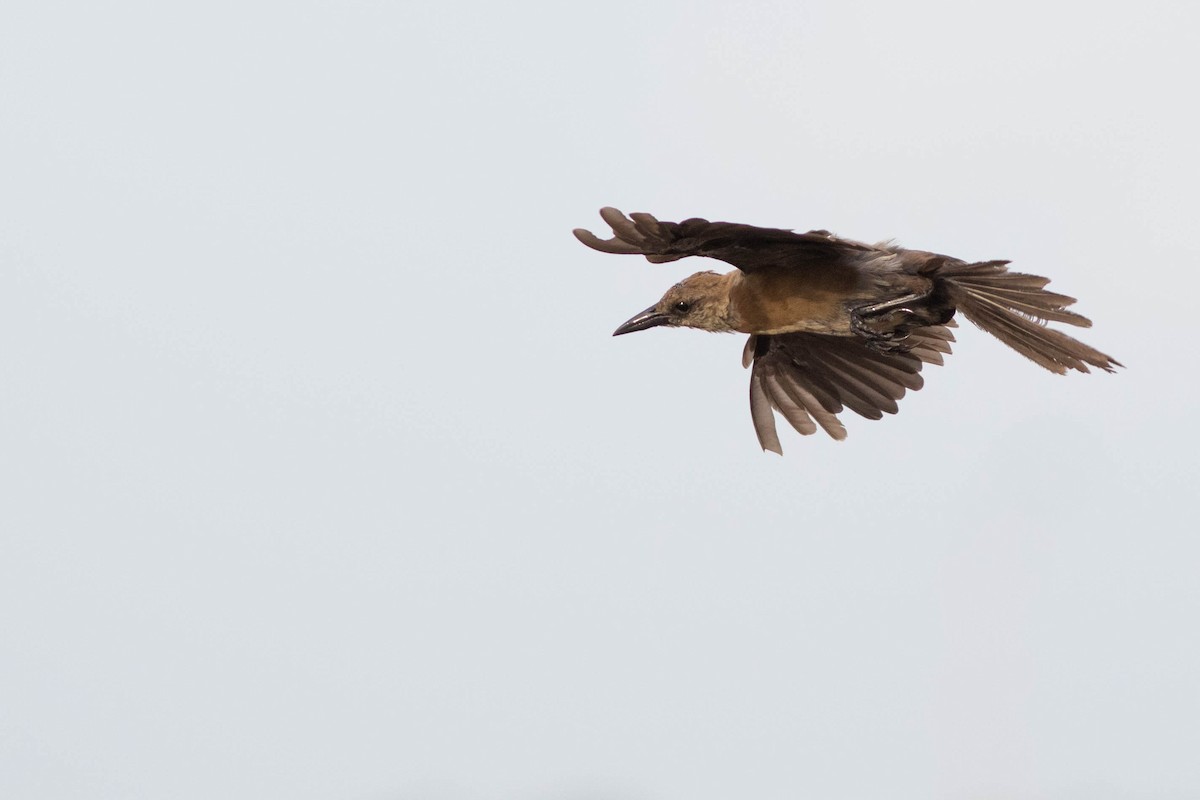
[{"x": 700, "y": 301}]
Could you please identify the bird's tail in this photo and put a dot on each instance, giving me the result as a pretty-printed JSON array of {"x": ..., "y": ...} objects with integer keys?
[{"x": 1015, "y": 308}]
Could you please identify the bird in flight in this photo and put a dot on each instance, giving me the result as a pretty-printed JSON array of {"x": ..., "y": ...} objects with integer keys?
[{"x": 835, "y": 323}]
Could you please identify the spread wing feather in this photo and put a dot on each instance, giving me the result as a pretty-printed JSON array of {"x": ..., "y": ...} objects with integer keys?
[
  {"x": 810, "y": 377},
  {"x": 747, "y": 247}
]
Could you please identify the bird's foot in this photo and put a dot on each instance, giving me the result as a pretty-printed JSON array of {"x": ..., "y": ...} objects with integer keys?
[
  {"x": 883, "y": 332},
  {"x": 886, "y": 326}
]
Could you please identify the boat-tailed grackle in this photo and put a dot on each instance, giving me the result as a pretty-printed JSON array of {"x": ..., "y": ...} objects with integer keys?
[{"x": 835, "y": 323}]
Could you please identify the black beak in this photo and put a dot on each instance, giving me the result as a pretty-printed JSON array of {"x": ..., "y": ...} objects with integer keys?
[{"x": 650, "y": 318}]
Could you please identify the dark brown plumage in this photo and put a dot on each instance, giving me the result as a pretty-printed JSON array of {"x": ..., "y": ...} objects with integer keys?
[{"x": 838, "y": 324}]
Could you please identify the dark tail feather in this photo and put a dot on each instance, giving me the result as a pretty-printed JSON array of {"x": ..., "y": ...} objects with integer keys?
[{"x": 1015, "y": 308}]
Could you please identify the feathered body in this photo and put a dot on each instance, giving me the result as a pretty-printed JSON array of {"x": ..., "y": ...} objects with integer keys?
[{"x": 836, "y": 323}]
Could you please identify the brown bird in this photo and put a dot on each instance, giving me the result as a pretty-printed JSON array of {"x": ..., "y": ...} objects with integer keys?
[{"x": 835, "y": 323}]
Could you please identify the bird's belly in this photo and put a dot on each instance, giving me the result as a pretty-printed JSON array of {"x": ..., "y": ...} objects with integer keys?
[
  {"x": 792, "y": 303},
  {"x": 835, "y": 326}
]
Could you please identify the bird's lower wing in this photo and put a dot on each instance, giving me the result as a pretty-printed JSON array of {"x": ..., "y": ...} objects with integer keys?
[
  {"x": 747, "y": 247},
  {"x": 810, "y": 378}
]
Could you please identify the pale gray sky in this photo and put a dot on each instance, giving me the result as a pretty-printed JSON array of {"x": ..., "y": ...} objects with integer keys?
[{"x": 322, "y": 476}]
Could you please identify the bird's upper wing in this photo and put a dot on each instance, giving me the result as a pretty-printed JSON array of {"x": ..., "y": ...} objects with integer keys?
[
  {"x": 746, "y": 247},
  {"x": 810, "y": 377}
]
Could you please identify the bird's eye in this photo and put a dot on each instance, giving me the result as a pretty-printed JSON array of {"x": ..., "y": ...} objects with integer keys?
[{"x": 683, "y": 306}]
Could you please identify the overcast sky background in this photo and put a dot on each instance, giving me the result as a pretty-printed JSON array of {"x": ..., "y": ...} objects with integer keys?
[{"x": 322, "y": 477}]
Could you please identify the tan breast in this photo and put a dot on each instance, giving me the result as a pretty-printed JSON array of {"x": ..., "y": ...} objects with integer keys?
[{"x": 811, "y": 298}]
